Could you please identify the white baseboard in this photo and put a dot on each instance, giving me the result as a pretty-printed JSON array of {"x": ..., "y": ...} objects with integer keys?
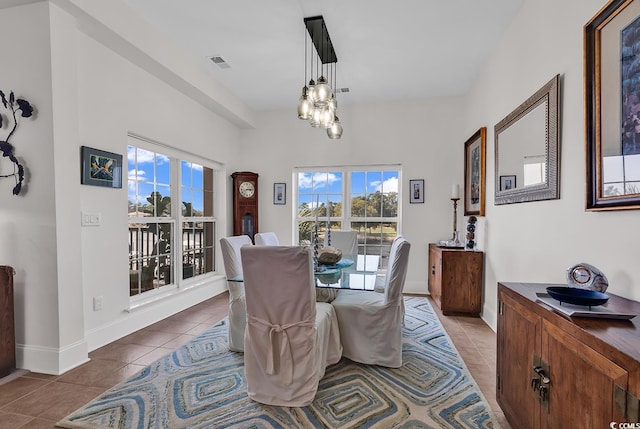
[
  {"x": 490, "y": 317},
  {"x": 135, "y": 319},
  {"x": 47, "y": 360},
  {"x": 415, "y": 287}
]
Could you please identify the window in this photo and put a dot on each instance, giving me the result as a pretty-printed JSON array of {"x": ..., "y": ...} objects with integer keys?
[
  {"x": 198, "y": 226},
  {"x": 351, "y": 199},
  {"x": 157, "y": 258}
]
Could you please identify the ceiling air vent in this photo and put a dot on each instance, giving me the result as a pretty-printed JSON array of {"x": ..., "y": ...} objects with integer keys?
[{"x": 220, "y": 62}]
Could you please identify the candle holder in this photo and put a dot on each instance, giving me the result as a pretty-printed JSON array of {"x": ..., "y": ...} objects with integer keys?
[{"x": 455, "y": 239}]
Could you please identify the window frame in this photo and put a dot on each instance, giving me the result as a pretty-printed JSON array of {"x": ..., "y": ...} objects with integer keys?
[
  {"x": 176, "y": 218},
  {"x": 346, "y": 217}
]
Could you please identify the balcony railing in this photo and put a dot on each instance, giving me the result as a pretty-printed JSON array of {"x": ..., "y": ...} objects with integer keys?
[{"x": 149, "y": 269}]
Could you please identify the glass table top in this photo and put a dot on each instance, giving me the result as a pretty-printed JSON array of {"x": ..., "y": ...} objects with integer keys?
[{"x": 355, "y": 273}]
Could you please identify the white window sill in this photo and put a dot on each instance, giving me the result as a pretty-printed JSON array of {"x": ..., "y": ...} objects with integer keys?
[{"x": 152, "y": 297}]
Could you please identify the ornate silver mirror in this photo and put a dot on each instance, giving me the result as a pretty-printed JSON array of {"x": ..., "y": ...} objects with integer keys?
[{"x": 527, "y": 149}]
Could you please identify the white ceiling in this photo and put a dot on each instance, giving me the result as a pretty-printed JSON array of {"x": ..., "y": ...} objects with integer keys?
[{"x": 386, "y": 50}]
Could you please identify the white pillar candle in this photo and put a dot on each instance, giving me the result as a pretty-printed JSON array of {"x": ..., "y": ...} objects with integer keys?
[{"x": 455, "y": 191}]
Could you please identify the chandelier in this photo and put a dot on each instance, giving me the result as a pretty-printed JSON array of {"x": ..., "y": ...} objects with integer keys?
[{"x": 318, "y": 103}]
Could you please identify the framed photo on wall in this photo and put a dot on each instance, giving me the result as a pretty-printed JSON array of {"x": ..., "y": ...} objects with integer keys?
[
  {"x": 507, "y": 182},
  {"x": 416, "y": 191},
  {"x": 101, "y": 168},
  {"x": 474, "y": 173},
  {"x": 279, "y": 193}
]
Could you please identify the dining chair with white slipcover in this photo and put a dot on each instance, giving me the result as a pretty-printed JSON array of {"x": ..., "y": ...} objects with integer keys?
[
  {"x": 290, "y": 338},
  {"x": 266, "y": 239},
  {"x": 347, "y": 241},
  {"x": 371, "y": 322},
  {"x": 230, "y": 247}
]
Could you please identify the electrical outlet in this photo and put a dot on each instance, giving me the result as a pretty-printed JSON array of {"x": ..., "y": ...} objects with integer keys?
[{"x": 97, "y": 303}]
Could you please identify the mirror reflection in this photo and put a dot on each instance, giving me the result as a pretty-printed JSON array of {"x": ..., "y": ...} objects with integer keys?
[
  {"x": 526, "y": 146},
  {"x": 523, "y": 149},
  {"x": 621, "y": 159}
]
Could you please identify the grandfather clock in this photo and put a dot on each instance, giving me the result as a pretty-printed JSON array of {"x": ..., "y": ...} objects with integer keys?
[{"x": 245, "y": 203}]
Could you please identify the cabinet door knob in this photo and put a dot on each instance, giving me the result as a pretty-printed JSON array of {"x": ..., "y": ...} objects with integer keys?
[{"x": 433, "y": 270}]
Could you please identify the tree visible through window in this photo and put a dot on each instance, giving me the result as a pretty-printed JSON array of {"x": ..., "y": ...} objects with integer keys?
[{"x": 355, "y": 199}]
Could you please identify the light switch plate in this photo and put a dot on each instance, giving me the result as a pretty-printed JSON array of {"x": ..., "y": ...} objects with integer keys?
[{"x": 91, "y": 219}]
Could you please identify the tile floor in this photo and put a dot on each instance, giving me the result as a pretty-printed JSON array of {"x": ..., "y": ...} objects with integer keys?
[{"x": 37, "y": 401}]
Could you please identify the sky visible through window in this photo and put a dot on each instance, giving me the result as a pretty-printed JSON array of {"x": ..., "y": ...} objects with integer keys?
[
  {"x": 362, "y": 182},
  {"x": 152, "y": 172}
]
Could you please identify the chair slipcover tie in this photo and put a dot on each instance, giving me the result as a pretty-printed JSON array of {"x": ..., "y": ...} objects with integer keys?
[{"x": 273, "y": 330}]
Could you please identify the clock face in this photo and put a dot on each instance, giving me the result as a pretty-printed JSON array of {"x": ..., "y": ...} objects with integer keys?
[
  {"x": 247, "y": 189},
  {"x": 580, "y": 274}
]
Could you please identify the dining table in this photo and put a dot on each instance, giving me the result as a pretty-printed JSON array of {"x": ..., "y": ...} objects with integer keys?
[{"x": 351, "y": 272}]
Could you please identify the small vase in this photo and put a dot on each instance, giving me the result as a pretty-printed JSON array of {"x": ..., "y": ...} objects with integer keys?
[{"x": 455, "y": 242}]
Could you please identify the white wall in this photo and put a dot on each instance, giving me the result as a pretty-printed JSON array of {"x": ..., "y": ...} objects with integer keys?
[
  {"x": 28, "y": 221},
  {"x": 117, "y": 97},
  {"x": 538, "y": 241},
  {"x": 422, "y": 136}
]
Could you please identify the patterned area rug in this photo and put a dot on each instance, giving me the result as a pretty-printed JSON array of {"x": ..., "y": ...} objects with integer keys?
[{"x": 202, "y": 385}]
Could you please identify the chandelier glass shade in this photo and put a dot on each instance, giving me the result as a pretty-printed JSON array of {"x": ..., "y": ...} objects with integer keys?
[
  {"x": 314, "y": 120},
  {"x": 322, "y": 93},
  {"x": 335, "y": 130},
  {"x": 326, "y": 117},
  {"x": 318, "y": 103},
  {"x": 312, "y": 90},
  {"x": 305, "y": 106}
]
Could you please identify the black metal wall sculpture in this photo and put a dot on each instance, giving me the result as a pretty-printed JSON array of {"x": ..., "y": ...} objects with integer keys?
[{"x": 6, "y": 148}]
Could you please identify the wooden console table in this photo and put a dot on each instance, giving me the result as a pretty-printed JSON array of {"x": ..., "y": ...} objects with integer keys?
[
  {"x": 557, "y": 372},
  {"x": 455, "y": 279}
]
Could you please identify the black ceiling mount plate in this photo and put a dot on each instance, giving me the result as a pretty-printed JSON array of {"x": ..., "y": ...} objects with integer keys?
[{"x": 320, "y": 36}]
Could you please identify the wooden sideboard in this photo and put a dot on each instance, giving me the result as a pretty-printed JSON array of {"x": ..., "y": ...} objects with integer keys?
[
  {"x": 557, "y": 372},
  {"x": 455, "y": 279},
  {"x": 7, "y": 330}
]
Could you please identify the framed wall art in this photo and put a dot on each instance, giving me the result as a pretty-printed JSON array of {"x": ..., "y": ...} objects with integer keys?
[
  {"x": 507, "y": 182},
  {"x": 475, "y": 149},
  {"x": 279, "y": 193},
  {"x": 101, "y": 168},
  {"x": 416, "y": 191},
  {"x": 612, "y": 107}
]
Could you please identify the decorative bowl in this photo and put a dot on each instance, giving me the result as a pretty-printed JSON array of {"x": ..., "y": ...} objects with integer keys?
[
  {"x": 577, "y": 296},
  {"x": 329, "y": 255},
  {"x": 328, "y": 277}
]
